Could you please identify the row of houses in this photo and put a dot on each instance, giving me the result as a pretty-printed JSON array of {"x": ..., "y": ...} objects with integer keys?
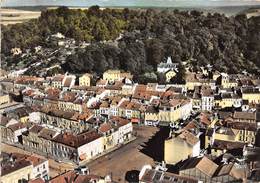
[
  {"x": 63, "y": 144},
  {"x": 17, "y": 167},
  {"x": 214, "y": 133}
]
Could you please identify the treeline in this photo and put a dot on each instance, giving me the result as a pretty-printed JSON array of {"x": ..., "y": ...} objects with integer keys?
[
  {"x": 82, "y": 25},
  {"x": 230, "y": 44}
]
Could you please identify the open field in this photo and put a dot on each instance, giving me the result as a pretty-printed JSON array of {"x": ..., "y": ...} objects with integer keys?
[
  {"x": 253, "y": 13},
  {"x": 13, "y": 16}
]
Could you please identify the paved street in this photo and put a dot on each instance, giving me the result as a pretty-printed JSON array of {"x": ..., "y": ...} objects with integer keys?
[
  {"x": 117, "y": 162},
  {"x": 126, "y": 158}
]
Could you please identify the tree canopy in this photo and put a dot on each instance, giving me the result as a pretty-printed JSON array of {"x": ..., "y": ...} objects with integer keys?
[{"x": 229, "y": 44}]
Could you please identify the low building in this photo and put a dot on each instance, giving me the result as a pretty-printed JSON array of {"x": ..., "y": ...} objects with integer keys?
[
  {"x": 115, "y": 75},
  {"x": 169, "y": 75},
  {"x": 69, "y": 147},
  {"x": 85, "y": 80},
  {"x": 57, "y": 81},
  {"x": 16, "y": 171},
  {"x": 205, "y": 170},
  {"x": 165, "y": 67},
  {"x": 18, "y": 168},
  {"x": 180, "y": 146},
  {"x": 252, "y": 95},
  {"x": 149, "y": 175},
  {"x": 171, "y": 111},
  {"x": 12, "y": 132},
  {"x": 227, "y": 81},
  {"x": 207, "y": 99},
  {"x": 4, "y": 99},
  {"x": 78, "y": 176},
  {"x": 130, "y": 110},
  {"x": 151, "y": 116}
]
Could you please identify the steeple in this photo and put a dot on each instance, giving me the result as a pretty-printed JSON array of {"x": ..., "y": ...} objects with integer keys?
[{"x": 169, "y": 60}]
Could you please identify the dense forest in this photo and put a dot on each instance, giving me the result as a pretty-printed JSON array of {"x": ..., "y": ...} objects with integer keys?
[{"x": 230, "y": 44}]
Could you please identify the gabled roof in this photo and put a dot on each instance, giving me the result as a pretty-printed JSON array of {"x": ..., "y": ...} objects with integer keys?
[
  {"x": 36, "y": 129},
  {"x": 38, "y": 180},
  {"x": 58, "y": 78},
  {"x": 4, "y": 120},
  {"x": 188, "y": 137},
  {"x": 244, "y": 115},
  {"x": 73, "y": 176},
  {"x": 157, "y": 176},
  {"x": 204, "y": 164},
  {"x": 8, "y": 168},
  {"x": 76, "y": 141},
  {"x": 17, "y": 126},
  {"x": 47, "y": 133},
  {"x": 105, "y": 127}
]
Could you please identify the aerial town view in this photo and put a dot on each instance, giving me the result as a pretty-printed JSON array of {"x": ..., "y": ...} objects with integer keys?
[{"x": 130, "y": 91}]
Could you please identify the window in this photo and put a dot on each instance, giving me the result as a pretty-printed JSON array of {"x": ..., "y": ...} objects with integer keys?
[
  {"x": 43, "y": 166},
  {"x": 38, "y": 169}
]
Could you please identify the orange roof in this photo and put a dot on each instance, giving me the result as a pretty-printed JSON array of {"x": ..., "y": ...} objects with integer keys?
[
  {"x": 130, "y": 105},
  {"x": 189, "y": 137},
  {"x": 35, "y": 160},
  {"x": 38, "y": 180},
  {"x": 58, "y": 78},
  {"x": 204, "y": 118},
  {"x": 120, "y": 121},
  {"x": 74, "y": 176},
  {"x": 105, "y": 127},
  {"x": 76, "y": 141}
]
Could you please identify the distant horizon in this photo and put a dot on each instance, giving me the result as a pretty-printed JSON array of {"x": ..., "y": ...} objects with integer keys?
[
  {"x": 131, "y": 3},
  {"x": 107, "y": 6}
]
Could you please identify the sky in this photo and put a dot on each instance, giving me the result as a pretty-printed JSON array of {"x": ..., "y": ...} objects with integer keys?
[{"x": 159, "y": 3}]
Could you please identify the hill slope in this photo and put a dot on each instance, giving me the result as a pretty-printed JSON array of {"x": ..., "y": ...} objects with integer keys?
[{"x": 230, "y": 44}]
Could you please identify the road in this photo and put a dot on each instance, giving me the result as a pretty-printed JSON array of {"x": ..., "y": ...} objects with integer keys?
[
  {"x": 126, "y": 158},
  {"x": 115, "y": 163}
]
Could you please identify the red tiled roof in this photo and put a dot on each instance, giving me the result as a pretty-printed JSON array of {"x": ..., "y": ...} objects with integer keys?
[
  {"x": 76, "y": 141},
  {"x": 17, "y": 126},
  {"x": 74, "y": 177},
  {"x": 38, "y": 180},
  {"x": 105, "y": 127}
]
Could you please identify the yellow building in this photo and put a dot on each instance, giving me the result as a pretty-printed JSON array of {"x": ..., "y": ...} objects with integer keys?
[
  {"x": 170, "y": 111},
  {"x": 114, "y": 75},
  {"x": 57, "y": 81},
  {"x": 24, "y": 119},
  {"x": 181, "y": 146},
  {"x": 151, "y": 115},
  {"x": 190, "y": 85},
  {"x": 85, "y": 80},
  {"x": 192, "y": 80},
  {"x": 222, "y": 133},
  {"x": 111, "y": 75},
  {"x": 108, "y": 135},
  {"x": 216, "y": 75},
  {"x": 252, "y": 95},
  {"x": 20, "y": 172},
  {"x": 228, "y": 100},
  {"x": 226, "y": 82},
  {"x": 4, "y": 99},
  {"x": 227, "y": 134},
  {"x": 169, "y": 75}
]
